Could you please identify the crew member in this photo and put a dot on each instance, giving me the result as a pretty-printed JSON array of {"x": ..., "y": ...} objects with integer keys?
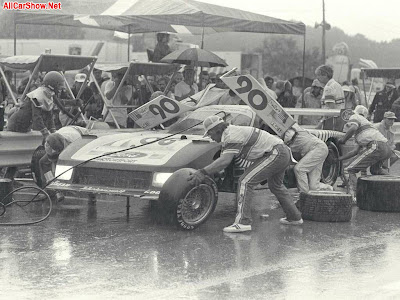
[
  {"x": 332, "y": 95},
  {"x": 55, "y": 143},
  {"x": 371, "y": 151},
  {"x": 271, "y": 158},
  {"x": 385, "y": 127},
  {"x": 313, "y": 152}
]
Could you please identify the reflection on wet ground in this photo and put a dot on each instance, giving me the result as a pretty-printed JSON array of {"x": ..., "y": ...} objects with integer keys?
[{"x": 93, "y": 251}]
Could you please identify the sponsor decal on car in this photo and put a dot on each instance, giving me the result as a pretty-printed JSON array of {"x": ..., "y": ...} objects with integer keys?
[{"x": 154, "y": 154}]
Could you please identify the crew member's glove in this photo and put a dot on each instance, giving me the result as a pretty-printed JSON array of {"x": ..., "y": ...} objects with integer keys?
[{"x": 197, "y": 177}]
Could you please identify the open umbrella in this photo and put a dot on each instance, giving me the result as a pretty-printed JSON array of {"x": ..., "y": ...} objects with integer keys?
[{"x": 196, "y": 57}]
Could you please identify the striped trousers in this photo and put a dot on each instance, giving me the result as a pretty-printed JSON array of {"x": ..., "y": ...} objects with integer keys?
[
  {"x": 272, "y": 167},
  {"x": 372, "y": 156}
]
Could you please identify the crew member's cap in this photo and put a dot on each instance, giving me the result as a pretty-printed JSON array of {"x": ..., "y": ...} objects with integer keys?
[
  {"x": 361, "y": 110},
  {"x": 80, "y": 77},
  {"x": 210, "y": 122},
  {"x": 317, "y": 83},
  {"x": 389, "y": 115}
]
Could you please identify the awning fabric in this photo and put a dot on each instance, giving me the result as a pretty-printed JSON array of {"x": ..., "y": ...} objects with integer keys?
[
  {"x": 50, "y": 62},
  {"x": 382, "y": 72},
  {"x": 139, "y": 16}
]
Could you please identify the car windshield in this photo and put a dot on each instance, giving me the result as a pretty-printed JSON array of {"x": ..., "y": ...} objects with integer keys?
[{"x": 193, "y": 122}]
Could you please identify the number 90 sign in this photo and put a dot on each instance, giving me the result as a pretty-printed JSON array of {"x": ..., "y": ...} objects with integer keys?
[{"x": 246, "y": 87}]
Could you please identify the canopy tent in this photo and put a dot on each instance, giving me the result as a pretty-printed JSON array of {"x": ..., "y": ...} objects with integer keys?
[{"x": 139, "y": 16}]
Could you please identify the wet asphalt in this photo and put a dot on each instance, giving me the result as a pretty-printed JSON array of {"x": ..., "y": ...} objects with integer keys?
[{"x": 96, "y": 251}]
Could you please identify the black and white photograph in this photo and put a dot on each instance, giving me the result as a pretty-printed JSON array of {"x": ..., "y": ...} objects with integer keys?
[{"x": 199, "y": 149}]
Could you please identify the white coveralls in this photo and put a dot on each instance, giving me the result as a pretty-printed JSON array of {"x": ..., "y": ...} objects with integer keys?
[{"x": 313, "y": 153}]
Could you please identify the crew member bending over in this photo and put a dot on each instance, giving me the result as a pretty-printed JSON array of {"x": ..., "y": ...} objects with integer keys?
[
  {"x": 271, "y": 158},
  {"x": 371, "y": 151},
  {"x": 313, "y": 152}
]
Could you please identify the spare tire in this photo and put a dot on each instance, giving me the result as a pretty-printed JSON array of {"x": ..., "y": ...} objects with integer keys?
[
  {"x": 189, "y": 205},
  {"x": 379, "y": 193},
  {"x": 326, "y": 206}
]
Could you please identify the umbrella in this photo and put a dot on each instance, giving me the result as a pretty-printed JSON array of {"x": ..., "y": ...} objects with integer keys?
[{"x": 195, "y": 56}]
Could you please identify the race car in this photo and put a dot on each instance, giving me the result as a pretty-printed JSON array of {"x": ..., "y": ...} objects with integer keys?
[{"x": 154, "y": 164}]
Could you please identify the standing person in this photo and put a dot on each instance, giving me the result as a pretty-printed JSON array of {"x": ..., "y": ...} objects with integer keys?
[
  {"x": 187, "y": 87},
  {"x": 283, "y": 90},
  {"x": 162, "y": 48},
  {"x": 359, "y": 97},
  {"x": 371, "y": 151},
  {"x": 383, "y": 101},
  {"x": 312, "y": 99},
  {"x": 350, "y": 101},
  {"x": 123, "y": 97},
  {"x": 271, "y": 158},
  {"x": 313, "y": 153},
  {"x": 385, "y": 127},
  {"x": 297, "y": 88},
  {"x": 95, "y": 106},
  {"x": 162, "y": 85},
  {"x": 332, "y": 96}
]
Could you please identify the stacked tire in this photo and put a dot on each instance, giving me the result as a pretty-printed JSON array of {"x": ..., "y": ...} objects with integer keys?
[
  {"x": 379, "y": 193},
  {"x": 326, "y": 206}
]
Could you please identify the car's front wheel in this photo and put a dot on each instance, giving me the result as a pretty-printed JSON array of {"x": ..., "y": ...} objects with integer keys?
[
  {"x": 189, "y": 205},
  {"x": 331, "y": 167}
]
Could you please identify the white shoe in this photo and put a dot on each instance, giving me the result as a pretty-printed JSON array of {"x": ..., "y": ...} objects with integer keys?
[
  {"x": 236, "y": 227},
  {"x": 285, "y": 221}
]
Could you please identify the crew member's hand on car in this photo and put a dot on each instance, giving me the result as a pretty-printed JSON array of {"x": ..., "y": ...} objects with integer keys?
[{"x": 197, "y": 177}]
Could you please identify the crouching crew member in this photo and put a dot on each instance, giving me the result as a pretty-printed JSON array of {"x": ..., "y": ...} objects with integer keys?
[
  {"x": 371, "y": 151},
  {"x": 313, "y": 152},
  {"x": 271, "y": 158},
  {"x": 54, "y": 145}
]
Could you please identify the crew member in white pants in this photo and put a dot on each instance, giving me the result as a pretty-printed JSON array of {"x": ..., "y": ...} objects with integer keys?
[
  {"x": 271, "y": 158},
  {"x": 313, "y": 152}
]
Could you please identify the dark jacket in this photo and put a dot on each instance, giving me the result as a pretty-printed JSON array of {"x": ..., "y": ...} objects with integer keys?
[{"x": 382, "y": 103}]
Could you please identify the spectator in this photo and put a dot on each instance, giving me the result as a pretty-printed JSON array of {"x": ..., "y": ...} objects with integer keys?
[
  {"x": 297, "y": 88},
  {"x": 383, "y": 101},
  {"x": 349, "y": 96},
  {"x": 144, "y": 93},
  {"x": 269, "y": 81},
  {"x": 72, "y": 106},
  {"x": 212, "y": 76},
  {"x": 359, "y": 98},
  {"x": 187, "y": 87},
  {"x": 162, "y": 85},
  {"x": 95, "y": 106},
  {"x": 162, "y": 49},
  {"x": 312, "y": 99},
  {"x": 36, "y": 82},
  {"x": 204, "y": 80},
  {"x": 283, "y": 90},
  {"x": 124, "y": 96},
  {"x": 385, "y": 127},
  {"x": 332, "y": 96}
]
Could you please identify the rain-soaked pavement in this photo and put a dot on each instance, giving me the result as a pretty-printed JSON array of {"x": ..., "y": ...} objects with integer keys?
[{"x": 86, "y": 251}]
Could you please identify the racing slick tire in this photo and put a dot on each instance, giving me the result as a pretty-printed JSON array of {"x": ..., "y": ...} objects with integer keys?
[
  {"x": 331, "y": 167},
  {"x": 325, "y": 206},
  {"x": 35, "y": 166},
  {"x": 189, "y": 205},
  {"x": 379, "y": 193}
]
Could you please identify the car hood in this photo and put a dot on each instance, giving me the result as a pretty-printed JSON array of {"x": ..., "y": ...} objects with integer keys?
[{"x": 166, "y": 150}]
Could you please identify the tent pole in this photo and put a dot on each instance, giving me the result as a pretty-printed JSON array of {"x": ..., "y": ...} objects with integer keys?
[
  {"x": 129, "y": 42},
  {"x": 304, "y": 77},
  {"x": 15, "y": 34}
]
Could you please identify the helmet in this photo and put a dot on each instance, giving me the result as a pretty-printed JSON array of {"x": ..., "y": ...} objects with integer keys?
[{"x": 53, "y": 80}]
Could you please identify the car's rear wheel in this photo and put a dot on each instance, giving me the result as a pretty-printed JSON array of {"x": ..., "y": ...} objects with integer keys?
[
  {"x": 331, "y": 167},
  {"x": 189, "y": 205}
]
